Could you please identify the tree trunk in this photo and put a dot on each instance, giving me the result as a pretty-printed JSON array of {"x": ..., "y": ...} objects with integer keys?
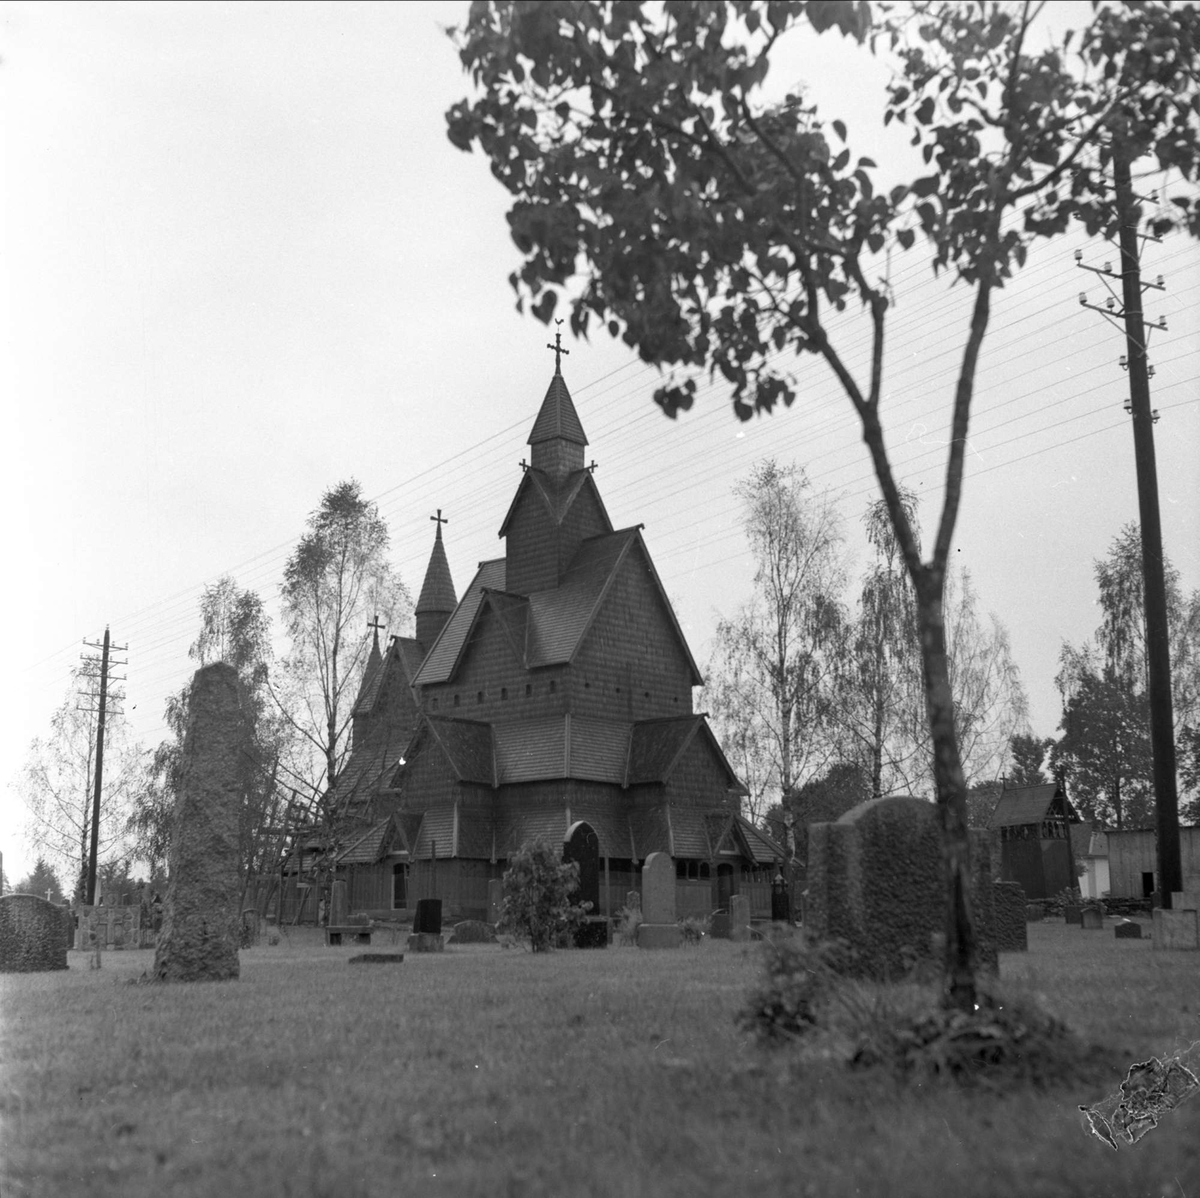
[{"x": 961, "y": 946}]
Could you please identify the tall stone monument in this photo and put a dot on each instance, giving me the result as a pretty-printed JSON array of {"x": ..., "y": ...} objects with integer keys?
[
  {"x": 32, "y": 934},
  {"x": 658, "y": 928},
  {"x": 201, "y": 924},
  {"x": 876, "y": 880}
]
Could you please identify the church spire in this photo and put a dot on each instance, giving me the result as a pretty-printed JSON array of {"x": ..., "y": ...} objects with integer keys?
[
  {"x": 437, "y": 601},
  {"x": 557, "y": 440}
]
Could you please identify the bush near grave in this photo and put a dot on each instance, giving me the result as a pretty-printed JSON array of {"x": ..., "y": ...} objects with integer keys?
[{"x": 537, "y": 906}]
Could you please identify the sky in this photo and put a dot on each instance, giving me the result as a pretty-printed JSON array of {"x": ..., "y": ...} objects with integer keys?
[{"x": 242, "y": 263}]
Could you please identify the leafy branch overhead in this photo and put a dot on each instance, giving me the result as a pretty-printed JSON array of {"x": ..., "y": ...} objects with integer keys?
[{"x": 720, "y": 229}]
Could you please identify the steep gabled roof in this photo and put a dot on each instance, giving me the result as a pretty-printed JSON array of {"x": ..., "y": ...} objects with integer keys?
[
  {"x": 404, "y": 651},
  {"x": 443, "y": 658},
  {"x": 437, "y": 591},
  {"x": 1028, "y": 805},
  {"x": 557, "y": 417},
  {"x": 557, "y": 497},
  {"x": 657, "y": 746},
  {"x": 368, "y": 689},
  {"x": 467, "y": 745}
]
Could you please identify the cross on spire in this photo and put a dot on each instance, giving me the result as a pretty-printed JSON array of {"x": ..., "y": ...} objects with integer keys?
[
  {"x": 377, "y": 626},
  {"x": 440, "y": 520},
  {"x": 558, "y": 349}
]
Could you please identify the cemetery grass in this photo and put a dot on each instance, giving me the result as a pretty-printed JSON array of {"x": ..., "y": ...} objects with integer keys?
[{"x": 493, "y": 1071}]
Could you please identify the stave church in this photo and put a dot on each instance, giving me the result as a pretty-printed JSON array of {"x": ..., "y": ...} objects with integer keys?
[{"x": 556, "y": 689}]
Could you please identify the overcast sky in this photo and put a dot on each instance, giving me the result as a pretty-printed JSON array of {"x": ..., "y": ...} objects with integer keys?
[{"x": 243, "y": 263}]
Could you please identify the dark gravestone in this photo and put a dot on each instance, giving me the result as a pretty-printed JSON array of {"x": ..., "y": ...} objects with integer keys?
[
  {"x": 428, "y": 918},
  {"x": 1073, "y": 914},
  {"x": 1090, "y": 919},
  {"x": 720, "y": 927},
  {"x": 377, "y": 959},
  {"x": 780, "y": 912},
  {"x": 1128, "y": 931},
  {"x": 32, "y": 939},
  {"x": 876, "y": 880},
  {"x": 592, "y": 933},
  {"x": 201, "y": 920},
  {"x": 1009, "y": 905}
]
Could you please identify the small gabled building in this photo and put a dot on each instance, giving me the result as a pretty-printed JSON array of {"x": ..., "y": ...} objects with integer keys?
[
  {"x": 557, "y": 689},
  {"x": 1035, "y": 826}
]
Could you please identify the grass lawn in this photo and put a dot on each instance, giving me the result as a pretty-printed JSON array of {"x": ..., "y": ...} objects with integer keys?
[{"x": 489, "y": 1071}]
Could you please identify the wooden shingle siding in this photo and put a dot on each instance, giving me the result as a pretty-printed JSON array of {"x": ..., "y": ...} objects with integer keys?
[{"x": 630, "y": 664}]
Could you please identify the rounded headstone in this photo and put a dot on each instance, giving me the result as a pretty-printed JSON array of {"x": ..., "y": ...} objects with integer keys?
[{"x": 32, "y": 937}]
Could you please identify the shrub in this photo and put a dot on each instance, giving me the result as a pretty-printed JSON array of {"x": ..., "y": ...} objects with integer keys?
[
  {"x": 799, "y": 978},
  {"x": 694, "y": 929},
  {"x": 629, "y": 919},
  {"x": 538, "y": 886}
]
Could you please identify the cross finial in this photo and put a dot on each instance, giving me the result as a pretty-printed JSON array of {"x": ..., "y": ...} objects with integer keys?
[
  {"x": 440, "y": 520},
  {"x": 377, "y": 626},
  {"x": 592, "y": 468},
  {"x": 558, "y": 349},
  {"x": 524, "y": 465}
]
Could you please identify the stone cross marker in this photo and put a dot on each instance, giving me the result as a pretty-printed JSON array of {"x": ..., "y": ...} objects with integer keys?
[
  {"x": 201, "y": 924},
  {"x": 32, "y": 934},
  {"x": 658, "y": 928},
  {"x": 875, "y": 879}
]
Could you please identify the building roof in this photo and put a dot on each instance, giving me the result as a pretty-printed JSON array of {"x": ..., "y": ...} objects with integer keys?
[
  {"x": 443, "y": 657},
  {"x": 547, "y": 627},
  {"x": 368, "y": 689},
  {"x": 557, "y": 417},
  {"x": 437, "y": 591},
  {"x": 557, "y": 496},
  {"x": 1028, "y": 805}
]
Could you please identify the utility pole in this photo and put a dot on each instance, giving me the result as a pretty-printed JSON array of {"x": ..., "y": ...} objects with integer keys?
[
  {"x": 98, "y": 779},
  {"x": 1158, "y": 656}
]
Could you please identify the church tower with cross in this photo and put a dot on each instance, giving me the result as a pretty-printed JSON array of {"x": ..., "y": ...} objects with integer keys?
[{"x": 555, "y": 694}]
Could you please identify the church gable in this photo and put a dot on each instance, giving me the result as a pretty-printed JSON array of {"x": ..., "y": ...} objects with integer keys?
[
  {"x": 633, "y": 653},
  {"x": 701, "y": 775},
  {"x": 444, "y": 657}
]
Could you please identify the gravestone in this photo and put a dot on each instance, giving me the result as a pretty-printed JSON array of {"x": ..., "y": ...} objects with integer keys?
[
  {"x": 427, "y": 927},
  {"x": 876, "y": 880},
  {"x": 658, "y": 928},
  {"x": 582, "y": 846},
  {"x": 495, "y": 900},
  {"x": 1008, "y": 900},
  {"x": 1128, "y": 930},
  {"x": 339, "y": 904},
  {"x": 739, "y": 917},
  {"x": 201, "y": 925},
  {"x": 428, "y": 918},
  {"x": 780, "y": 907},
  {"x": 32, "y": 935},
  {"x": 1091, "y": 920},
  {"x": 1073, "y": 914},
  {"x": 472, "y": 931},
  {"x": 1176, "y": 930}
]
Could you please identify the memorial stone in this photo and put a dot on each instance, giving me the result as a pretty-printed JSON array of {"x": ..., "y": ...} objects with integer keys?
[
  {"x": 739, "y": 917},
  {"x": 1010, "y": 910},
  {"x": 876, "y": 880},
  {"x": 1091, "y": 920},
  {"x": 339, "y": 905},
  {"x": 658, "y": 928},
  {"x": 32, "y": 939},
  {"x": 1128, "y": 930},
  {"x": 201, "y": 924}
]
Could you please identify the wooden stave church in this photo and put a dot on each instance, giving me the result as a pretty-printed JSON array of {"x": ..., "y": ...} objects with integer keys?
[{"x": 558, "y": 689}]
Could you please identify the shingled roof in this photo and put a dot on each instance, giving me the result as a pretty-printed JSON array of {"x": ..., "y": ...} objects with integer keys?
[
  {"x": 1028, "y": 805},
  {"x": 437, "y": 591},
  {"x": 557, "y": 417},
  {"x": 443, "y": 657}
]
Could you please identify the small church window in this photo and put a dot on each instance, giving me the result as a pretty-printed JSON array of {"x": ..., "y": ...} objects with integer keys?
[
  {"x": 479, "y": 696},
  {"x": 504, "y": 692},
  {"x": 618, "y": 690},
  {"x": 646, "y": 694},
  {"x": 553, "y": 686},
  {"x": 399, "y": 887},
  {"x": 455, "y": 700},
  {"x": 433, "y": 703},
  {"x": 705, "y": 872},
  {"x": 528, "y": 689}
]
